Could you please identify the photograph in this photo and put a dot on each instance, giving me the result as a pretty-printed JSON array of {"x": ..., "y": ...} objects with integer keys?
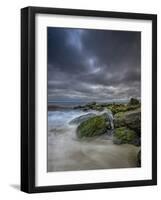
[
  {"x": 93, "y": 99},
  {"x": 89, "y": 99}
]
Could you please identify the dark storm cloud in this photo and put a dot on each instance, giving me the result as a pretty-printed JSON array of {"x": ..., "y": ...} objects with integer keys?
[{"x": 85, "y": 64}]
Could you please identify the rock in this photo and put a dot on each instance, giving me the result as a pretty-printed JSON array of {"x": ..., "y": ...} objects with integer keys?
[
  {"x": 124, "y": 135},
  {"x": 82, "y": 118},
  {"x": 92, "y": 127},
  {"x": 91, "y": 106},
  {"x": 133, "y": 101},
  {"x": 139, "y": 159},
  {"x": 137, "y": 141},
  {"x": 133, "y": 121},
  {"x": 85, "y": 109},
  {"x": 77, "y": 107},
  {"x": 99, "y": 108},
  {"x": 119, "y": 120},
  {"x": 130, "y": 119},
  {"x": 116, "y": 108}
]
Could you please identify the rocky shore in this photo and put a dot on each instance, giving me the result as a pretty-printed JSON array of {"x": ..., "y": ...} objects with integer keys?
[{"x": 121, "y": 121}]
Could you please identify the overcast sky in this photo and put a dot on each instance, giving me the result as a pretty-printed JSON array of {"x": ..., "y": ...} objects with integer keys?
[{"x": 93, "y": 65}]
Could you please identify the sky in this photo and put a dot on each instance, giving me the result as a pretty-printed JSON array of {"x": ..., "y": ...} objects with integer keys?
[{"x": 93, "y": 65}]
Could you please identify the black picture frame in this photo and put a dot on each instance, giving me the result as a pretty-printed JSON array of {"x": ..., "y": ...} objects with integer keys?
[{"x": 28, "y": 98}]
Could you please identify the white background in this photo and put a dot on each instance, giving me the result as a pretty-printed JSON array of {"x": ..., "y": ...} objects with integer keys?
[{"x": 10, "y": 99}]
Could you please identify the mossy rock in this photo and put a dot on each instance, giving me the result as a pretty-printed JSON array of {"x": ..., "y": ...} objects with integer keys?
[
  {"x": 124, "y": 135},
  {"x": 119, "y": 120},
  {"x": 94, "y": 106},
  {"x": 116, "y": 108},
  {"x": 92, "y": 127},
  {"x": 133, "y": 121},
  {"x": 133, "y": 107},
  {"x": 130, "y": 119},
  {"x": 99, "y": 108}
]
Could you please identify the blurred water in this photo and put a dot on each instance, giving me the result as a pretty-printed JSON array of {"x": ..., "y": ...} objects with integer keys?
[{"x": 67, "y": 153}]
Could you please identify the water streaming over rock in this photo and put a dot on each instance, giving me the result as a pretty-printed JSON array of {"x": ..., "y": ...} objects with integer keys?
[{"x": 110, "y": 117}]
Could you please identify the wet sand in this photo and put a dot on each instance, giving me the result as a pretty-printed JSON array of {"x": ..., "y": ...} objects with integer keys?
[{"x": 67, "y": 153}]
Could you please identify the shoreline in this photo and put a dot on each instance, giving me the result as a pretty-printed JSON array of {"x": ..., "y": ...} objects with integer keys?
[
  {"x": 93, "y": 154},
  {"x": 90, "y": 151}
]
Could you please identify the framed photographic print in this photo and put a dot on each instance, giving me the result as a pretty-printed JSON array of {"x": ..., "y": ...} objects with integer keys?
[{"x": 88, "y": 99}]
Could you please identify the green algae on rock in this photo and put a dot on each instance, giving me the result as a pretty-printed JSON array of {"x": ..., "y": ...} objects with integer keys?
[
  {"x": 130, "y": 119},
  {"x": 92, "y": 127},
  {"x": 124, "y": 135}
]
